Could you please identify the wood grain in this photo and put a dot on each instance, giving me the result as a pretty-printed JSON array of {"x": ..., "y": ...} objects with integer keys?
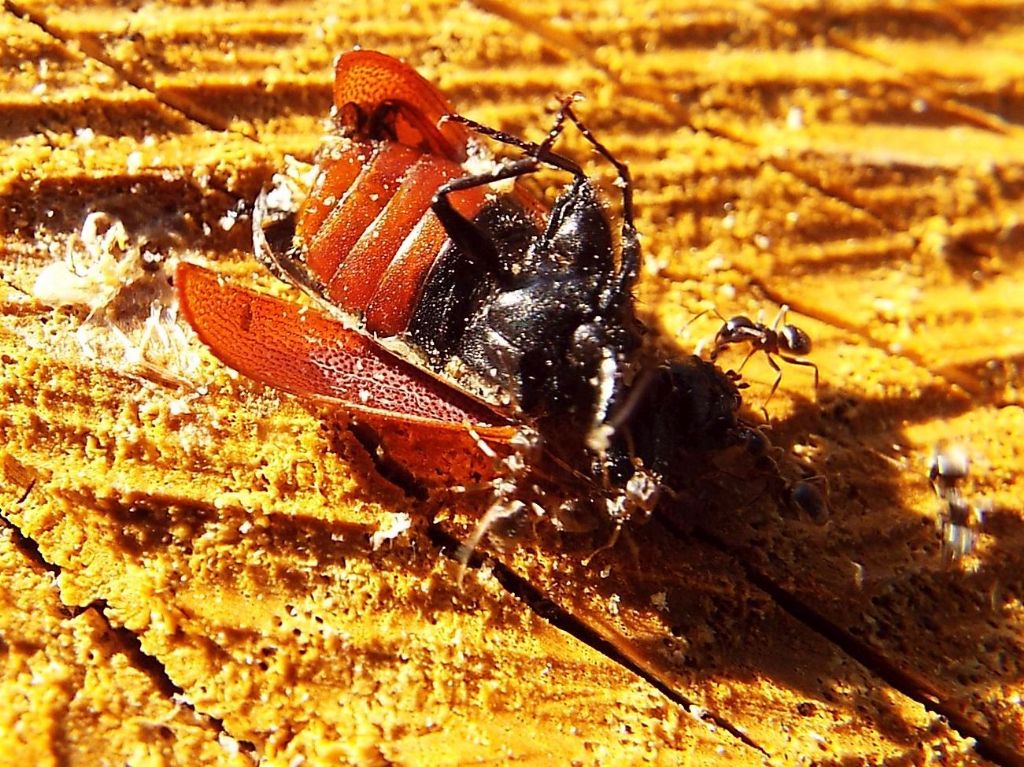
[{"x": 224, "y": 552}]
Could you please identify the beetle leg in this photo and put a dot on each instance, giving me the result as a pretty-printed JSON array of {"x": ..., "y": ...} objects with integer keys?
[
  {"x": 273, "y": 232},
  {"x": 629, "y": 268},
  {"x": 542, "y": 151},
  {"x": 472, "y": 242}
]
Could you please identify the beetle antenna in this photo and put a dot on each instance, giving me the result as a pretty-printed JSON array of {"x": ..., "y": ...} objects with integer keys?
[
  {"x": 625, "y": 178},
  {"x": 610, "y": 543},
  {"x": 498, "y": 511},
  {"x": 517, "y": 465},
  {"x": 537, "y": 152}
]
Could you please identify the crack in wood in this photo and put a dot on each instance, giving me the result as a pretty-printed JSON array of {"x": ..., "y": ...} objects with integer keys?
[
  {"x": 90, "y": 48},
  {"x": 127, "y": 641},
  {"x": 871, "y": 658},
  {"x": 862, "y": 652},
  {"x": 545, "y": 608}
]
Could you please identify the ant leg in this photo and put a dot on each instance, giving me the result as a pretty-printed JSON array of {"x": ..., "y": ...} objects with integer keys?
[
  {"x": 746, "y": 359},
  {"x": 804, "y": 363},
  {"x": 778, "y": 379},
  {"x": 775, "y": 366},
  {"x": 498, "y": 511},
  {"x": 783, "y": 311}
]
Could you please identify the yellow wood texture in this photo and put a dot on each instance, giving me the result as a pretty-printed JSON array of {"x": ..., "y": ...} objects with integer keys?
[{"x": 238, "y": 583}]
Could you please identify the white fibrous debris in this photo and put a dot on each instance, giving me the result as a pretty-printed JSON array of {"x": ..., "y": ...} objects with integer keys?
[
  {"x": 124, "y": 287},
  {"x": 229, "y": 744},
  {"x": 111, "y": 265},
  {"x": 481, "y": 162},
  {"x": 133, "y": 164},
  {"x": 659, "y": 601},
  {"x": 400, "y": 522},
  {"x": 227, "y": 221},
  {"x": 281, "y": 196},
  {"x": 291, "y": 186},
  {"x": 795, "y": 118}
]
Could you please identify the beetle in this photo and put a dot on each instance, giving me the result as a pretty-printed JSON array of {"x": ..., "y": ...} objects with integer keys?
[{"x": 448, "y": 302}]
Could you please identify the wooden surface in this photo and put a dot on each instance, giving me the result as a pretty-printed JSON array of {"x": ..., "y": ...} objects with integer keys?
[{"x": 194, "y": 569}]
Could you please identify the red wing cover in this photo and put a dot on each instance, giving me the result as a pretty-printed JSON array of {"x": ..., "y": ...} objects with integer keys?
[{"x": 308, "y": 354}]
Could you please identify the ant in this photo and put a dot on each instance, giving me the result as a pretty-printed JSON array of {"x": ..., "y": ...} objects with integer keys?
[
  {"x": 959, "y": 521},
  {"x": 947, "y": 468},
  {"x": 780, "y": 339}
]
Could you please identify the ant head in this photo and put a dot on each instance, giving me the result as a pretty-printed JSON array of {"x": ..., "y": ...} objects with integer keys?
[
  {"x": 734, "y": 329},
  {"x": 794, "y": 341},
  {"x": 739, "y": 322},
  {"x": 950, "y": 463},
  {"x": 754, "y": 440},
  {"x": 809, "y": 498}
]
